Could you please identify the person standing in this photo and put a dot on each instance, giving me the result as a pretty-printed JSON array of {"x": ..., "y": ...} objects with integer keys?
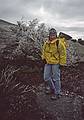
[{"x": 54, "y": 56}]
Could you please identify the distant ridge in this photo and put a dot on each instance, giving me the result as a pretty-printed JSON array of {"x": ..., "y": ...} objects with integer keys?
[{"x": 3, "y": 22}]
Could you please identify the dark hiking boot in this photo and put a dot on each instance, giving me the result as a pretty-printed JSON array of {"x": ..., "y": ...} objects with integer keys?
[{"x": 55, "y": 97}]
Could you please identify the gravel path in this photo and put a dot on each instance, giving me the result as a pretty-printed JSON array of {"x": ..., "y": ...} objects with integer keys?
[{"x": 68, "y": 107}]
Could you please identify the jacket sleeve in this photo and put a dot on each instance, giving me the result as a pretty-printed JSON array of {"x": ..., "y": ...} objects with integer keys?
[{"x": 62, "y": 54}]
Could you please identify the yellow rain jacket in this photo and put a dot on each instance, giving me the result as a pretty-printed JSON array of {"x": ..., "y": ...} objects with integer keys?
[{"x": 52, "y": 54}]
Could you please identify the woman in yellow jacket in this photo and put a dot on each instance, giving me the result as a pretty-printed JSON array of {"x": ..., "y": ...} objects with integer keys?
[{"x": 54, "y": 55}]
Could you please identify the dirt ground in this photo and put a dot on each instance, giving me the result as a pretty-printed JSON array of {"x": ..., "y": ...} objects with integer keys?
[{"x": 35, "y": 104}]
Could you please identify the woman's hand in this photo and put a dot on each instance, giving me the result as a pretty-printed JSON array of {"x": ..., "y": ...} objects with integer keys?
[{"x": 44, "y": 61}]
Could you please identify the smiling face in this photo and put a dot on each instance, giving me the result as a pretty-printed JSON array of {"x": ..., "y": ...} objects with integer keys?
[
  {"x": 52, "y": 37},
  {"x": 52, "y": 34}
]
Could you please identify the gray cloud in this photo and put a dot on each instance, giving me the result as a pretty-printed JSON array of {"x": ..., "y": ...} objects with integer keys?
[
  {"x": 66, "y": 8},
  {"x": 66, "y": 15}
]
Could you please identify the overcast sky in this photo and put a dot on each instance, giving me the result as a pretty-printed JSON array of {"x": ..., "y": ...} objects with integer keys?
[{"x": 66, "y": 15}]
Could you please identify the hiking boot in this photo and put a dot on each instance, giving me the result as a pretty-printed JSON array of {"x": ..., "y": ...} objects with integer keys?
[
  {"x": 59, "y": 95},
  {"x": 55, "y": 97}
]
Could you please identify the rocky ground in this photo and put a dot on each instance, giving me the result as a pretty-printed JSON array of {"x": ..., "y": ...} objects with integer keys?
[
  {"x": 34, "y": 103},
  {"x": 70, "y": 105}
]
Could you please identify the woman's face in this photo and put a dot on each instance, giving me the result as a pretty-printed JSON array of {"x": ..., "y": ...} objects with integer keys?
[{"x": 52, "y": 37}]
